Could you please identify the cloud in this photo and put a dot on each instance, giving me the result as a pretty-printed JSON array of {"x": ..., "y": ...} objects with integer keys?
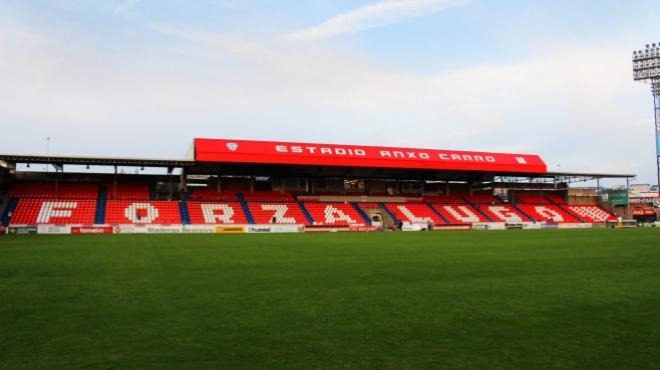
[
  {"x": 121, "y": 8},
  {"x": 374, "y": 15},
  {"x": 573, "y": 106}
]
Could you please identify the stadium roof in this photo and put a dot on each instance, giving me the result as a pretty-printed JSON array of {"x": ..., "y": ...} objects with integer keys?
[{"x": 307, "y": 160}]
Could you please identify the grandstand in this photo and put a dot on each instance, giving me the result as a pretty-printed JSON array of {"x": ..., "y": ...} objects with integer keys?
[{"x": 318, "y": 186}]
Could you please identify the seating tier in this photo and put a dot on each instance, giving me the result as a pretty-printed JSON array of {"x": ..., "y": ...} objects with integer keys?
[
  {"x": 51, "y": 191},
  {"x": 283, "y": 212},
  {"x": 54, "y": 211},
  {"x": 142, "y": 212},
  {"x": 216, "y": 213},
  {"x": 268, "y": 196},
  {"x": 503, "y": 213},
  {"x": 547, "y": 212},
  {"x": 128, "y": 191},
  {"x": 459, "y": 214},
  {"x": 592, "y": 213},
  {"x": 531, "y": 199},
  {"x": 414, "y": 213},
  {"x": 334, "y": 214},
  {"x": 444, "y": 199}
]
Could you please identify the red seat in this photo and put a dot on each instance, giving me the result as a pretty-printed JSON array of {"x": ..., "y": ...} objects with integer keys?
[
  {"x": 54, "y": 211},
  {"x": 503, "y": 213},
  {"x": 444, "y": 199},
  {"x": 128, "y": 191},
  {"x": 267, "y": 196},
  {"x": 414, "y": 213},
  {"x": 334, "y": 214},
  {"x": 142, "y": 212},
  {"x": 547, "y": 212},
  {"x": 213, "y": 195},
  {"x": 459, "y": 213},
  {"x": 531, "y": 199},
  {"x": 557, "y": 199},
  {"x": 483, "y": 199},
  {"x": 283, "y": 212},
  {"x": 593, "y": 214},
  {"x": 41, "y": 190},
  {"x": 216, "y": 213}
]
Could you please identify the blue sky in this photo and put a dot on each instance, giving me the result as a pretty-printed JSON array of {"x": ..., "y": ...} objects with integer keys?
[{"x": 142, "y": 78}]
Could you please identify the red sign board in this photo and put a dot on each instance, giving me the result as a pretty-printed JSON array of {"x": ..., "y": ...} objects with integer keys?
[{"x": 275, "y": 152}]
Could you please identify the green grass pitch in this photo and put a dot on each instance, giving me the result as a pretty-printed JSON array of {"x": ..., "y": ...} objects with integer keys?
[{"x": 546, "y": 299}]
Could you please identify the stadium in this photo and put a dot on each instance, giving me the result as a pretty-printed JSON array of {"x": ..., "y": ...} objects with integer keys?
[
  {"x": 255, "y": 186},
  {"x": 321, "y": 277},
  {"x": 355, "y": 184}
]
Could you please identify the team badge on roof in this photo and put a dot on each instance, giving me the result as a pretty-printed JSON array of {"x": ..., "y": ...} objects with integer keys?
[{"x": 232, "y": 146}]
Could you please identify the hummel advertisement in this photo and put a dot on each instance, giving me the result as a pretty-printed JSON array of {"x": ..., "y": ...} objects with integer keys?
[{"x": 245, "y": 151}]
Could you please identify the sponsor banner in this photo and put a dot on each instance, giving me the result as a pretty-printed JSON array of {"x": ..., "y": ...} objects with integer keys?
[
  {"x": 148, "y": 229},
  {"x": 275, "y": 228},
  {"x": 489, "y": 226},
  {"x": 364, "y": 228},
  {"x": 549, "y": 226},
  {"x": 91, "y": 230},
  {"x": 18, "y": 230},
  {"x": 575, "y": 226},
  {"x": 236, "y": 229},
  {"x": 53, "y": 229},
  {"x": 198, "y": 229},
  {"x": 406, "y": 226},
  {"x": 514, "y": 226},
  {"x": 244, "y": 151}
]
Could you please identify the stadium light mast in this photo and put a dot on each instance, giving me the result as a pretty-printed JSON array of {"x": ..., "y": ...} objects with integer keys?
[{"x": 646, "y": 68}]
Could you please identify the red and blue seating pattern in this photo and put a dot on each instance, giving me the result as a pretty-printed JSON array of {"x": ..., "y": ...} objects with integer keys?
[
  {"x": 142, "y": 212},
  {"x": 414, "y": 213},
  {"x": 277, "y": 212},
  {"x": 76, "y": 203},
  {"x": 334, "y": 214},
  {"x": 459, "y": 213},
  {"x": 54, "y": 211},
  {"x": 592, "y": 213},
  {"x": 547, "y": 212},
  {"x": 216, "y": 213}
]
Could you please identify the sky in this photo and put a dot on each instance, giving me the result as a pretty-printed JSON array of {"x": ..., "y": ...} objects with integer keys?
[{"x": 142, "y": 78}]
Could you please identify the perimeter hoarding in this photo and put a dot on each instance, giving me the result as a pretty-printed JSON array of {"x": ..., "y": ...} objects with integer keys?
[{"x": 275, "y": 152}]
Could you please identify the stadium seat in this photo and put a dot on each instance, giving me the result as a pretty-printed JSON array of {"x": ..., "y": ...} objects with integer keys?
[
  {"x": 556, "y": 199},
  {"x": 217, "y": 213},
  {"x": 531, "y": 199},
  {"x": 459, "y": 214},
  {"x": 128, "y": 191},
  {"x": 444, "y": 199},
  {"x": 142, "y": 212},
  {"x": 483, "y": 199},
  {"x": 54, "y": 211},
  {"x": 503, "y": 213},
  {"x": 547, "y": 212},
  {"x": 213, "y": 195},
  {"x": 592, "y": 214},
  {"x": 282, "y": 212},
  {"x": 49, "y": 190},
  {"x": 334, "y": 214},
  {"x": 267, "y": 196},
  {"x": 414, "y": 213}
]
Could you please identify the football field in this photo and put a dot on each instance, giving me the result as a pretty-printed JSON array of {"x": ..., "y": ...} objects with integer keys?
[{"x": 545, "y": 299}]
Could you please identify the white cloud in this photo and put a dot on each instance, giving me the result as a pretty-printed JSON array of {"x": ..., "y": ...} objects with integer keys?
[
  {"x": 374, "y": 15},
  {"x": 124, "y": 6},
  {"x": 564, "y": 104}
]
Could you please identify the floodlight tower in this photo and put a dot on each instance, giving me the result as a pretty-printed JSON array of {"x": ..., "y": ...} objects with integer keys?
[{"x": 646, "y": 68}]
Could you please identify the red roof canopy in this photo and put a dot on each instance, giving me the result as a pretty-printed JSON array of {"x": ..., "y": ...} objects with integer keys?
[{"x": 278, "y": 152}]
